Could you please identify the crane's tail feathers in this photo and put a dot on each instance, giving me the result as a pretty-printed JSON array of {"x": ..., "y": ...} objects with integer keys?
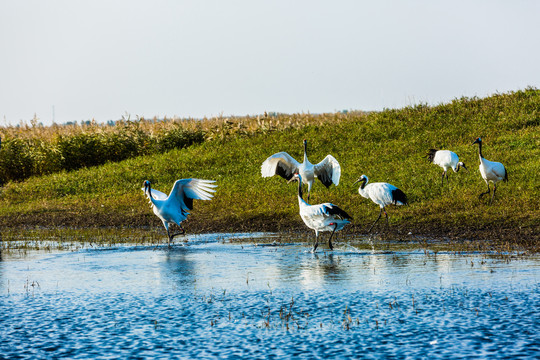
[
  {"x": 431, "y": 155},
  {"x": 336, "y": 210},
  {"x": 399, "y": 197}
]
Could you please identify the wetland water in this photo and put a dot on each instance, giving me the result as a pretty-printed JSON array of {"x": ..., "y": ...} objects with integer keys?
[{"x": 213, "y": 298}]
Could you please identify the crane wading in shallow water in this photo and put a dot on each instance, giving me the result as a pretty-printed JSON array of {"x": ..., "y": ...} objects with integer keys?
[
  {"x": 447, "y": 160},
  {"x": 174, "y": 208},
  {"x": 491, "y": 171},
  {"x": 321, "y": 217},
  {"x": 381, "y": 194},
  {"x": 327, "y": 171}
]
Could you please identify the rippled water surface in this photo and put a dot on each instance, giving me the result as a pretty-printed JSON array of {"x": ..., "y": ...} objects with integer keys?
[{"x": 213, "y": 298}]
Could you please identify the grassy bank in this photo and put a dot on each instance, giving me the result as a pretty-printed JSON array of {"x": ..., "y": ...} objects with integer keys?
[{"x": 386, "y": 146}]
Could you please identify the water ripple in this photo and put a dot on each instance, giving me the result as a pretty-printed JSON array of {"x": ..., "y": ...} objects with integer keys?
[{"x": 212, "y": 299}]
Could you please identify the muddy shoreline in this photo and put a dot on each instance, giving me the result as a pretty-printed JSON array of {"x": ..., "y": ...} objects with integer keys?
[{"x": 485, "y": 236}]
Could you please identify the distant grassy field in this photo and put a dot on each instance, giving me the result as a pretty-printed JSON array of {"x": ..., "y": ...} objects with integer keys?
[{"x": 387, "y": 146}]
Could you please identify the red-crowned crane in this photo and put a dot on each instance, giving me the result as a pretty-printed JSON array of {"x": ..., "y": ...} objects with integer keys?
[
  {"x": 381, "y": 194},
  {"x": 327, "y": 171},
  {"x": 174, "y": 208},
  {"x": 321, "y": 217},
  {"x": 447, "y": 160},
  {"x": 490, "y": 171}
]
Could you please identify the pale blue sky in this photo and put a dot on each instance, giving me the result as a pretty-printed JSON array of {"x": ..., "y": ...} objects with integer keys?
[{"x": 104, "y": 59}]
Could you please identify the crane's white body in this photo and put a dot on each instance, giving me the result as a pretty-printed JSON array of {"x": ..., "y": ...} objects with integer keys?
[
  {"x": 446, "y": 159},
  {"x": 491, "y": 171},
  {"x": 382, "y": 194},
  {"x": 328, "y": 171},
  {"x": 321, "y": 217},
  {"x": 175, "y": 207}
]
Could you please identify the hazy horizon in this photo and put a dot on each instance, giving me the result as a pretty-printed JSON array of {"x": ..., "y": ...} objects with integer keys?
[{"x": 72, "y": 61}]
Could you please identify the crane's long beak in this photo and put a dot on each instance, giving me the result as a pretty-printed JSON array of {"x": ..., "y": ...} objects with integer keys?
[
  {"x": 465, "y": 168},
  {"x": 357, "y": 181}
]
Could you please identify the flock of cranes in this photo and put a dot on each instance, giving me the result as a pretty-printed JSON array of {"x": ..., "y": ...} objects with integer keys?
[{"x": 325, "y": 217}]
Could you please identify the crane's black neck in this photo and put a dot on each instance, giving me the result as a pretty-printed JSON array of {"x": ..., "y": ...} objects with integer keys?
[
  {"x": 147, "y": 184},
  {"x": 364, "y": 182},
  {"x": 480, "y": 148},
  {"x": 300, "y": 193}
]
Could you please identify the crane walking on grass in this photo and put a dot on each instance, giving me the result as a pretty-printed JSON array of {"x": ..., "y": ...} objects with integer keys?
[
  {"x": 321, "y": 217},
  {"x": 447, "y": 160},
  {"x": 381, "y": 194},
  {"x": 327, "y": 171},
  {"x": 174, "y": 208},
  {"x": 491, "y": 171}
]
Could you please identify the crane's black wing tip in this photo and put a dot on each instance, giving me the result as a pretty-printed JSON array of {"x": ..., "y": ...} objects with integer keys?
[
  {"x": 399, "y": 196},
  {"x": 283, "y": 171},
  {"x": 431, "y": 154},
  {"x": 336, "y": 210},
  {"x": 325, "y": 178},
  {"x": 188, "y": 202}
]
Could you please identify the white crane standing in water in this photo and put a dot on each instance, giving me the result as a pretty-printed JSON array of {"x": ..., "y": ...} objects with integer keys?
[
  {"x": 327, "y": 171},
  {"x": 446, "y": 159},
  {"x": 321, "y": 217},
  {"x": 174, "y": 208},
  {"x": 382, "y": 194},
  {"x": 491, "y": 171}
]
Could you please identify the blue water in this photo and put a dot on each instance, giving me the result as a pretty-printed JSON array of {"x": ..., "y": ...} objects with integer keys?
[{"x": 214, "y": 299}]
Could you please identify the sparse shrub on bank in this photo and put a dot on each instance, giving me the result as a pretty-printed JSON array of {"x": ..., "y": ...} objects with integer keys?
[{"x": 16, "y": 159}]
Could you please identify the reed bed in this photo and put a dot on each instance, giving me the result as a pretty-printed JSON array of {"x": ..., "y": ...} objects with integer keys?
[{"x": 31, "y": 149}]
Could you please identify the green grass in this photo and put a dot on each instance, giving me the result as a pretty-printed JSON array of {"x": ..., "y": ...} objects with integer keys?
[{"x": 387, "y": 146}]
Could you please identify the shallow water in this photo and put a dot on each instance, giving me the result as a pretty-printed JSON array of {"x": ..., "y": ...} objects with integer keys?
[{"x": 213, "y": 298}]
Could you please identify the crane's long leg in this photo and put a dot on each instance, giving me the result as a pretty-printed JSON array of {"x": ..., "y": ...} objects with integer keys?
[
  {"x": 169, "y": 237},
  {"x": 372, "y": 225},
  {"x": 446, "y": 176},
  {"x": 484, "y": 193},
  {"x": 182, "y": 232},
  {"x": 330, "y": 239},
  {"x": 493, "y": 195},
  {"x": 316, "y": 242},
  {"x": 442, "y": 178},
  {"x": 385, "y": 214}
]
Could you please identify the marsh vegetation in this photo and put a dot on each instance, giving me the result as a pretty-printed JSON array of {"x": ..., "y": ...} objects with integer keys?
[{"x": 47, "y": 189}]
